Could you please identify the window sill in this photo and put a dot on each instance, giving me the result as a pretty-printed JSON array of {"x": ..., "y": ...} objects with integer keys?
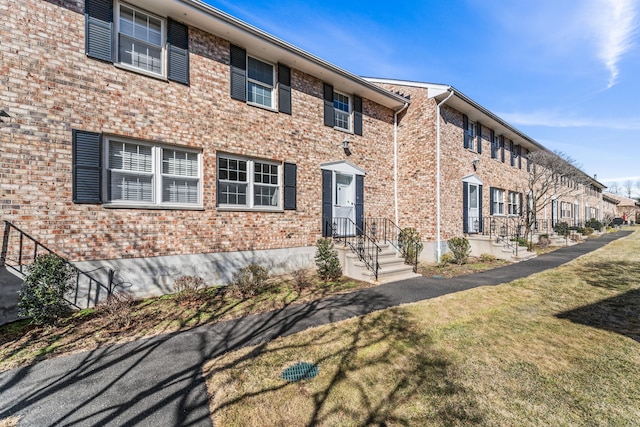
[
  {"x": 245, "y": 209},
  {"x": 120, "y": 205},
  {"x": 264, "y": 107},
  {"x": 140, "y": 71},
  {"x": 350, "y": 132}
]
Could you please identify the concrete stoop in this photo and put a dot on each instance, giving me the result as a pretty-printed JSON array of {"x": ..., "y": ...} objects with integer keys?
[
  {"x": 392, "y": 267},
  {"x": 488, "y": 245}
]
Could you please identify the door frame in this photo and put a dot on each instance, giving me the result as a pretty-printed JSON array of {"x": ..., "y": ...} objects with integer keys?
[{"x": 329, "y": 173}]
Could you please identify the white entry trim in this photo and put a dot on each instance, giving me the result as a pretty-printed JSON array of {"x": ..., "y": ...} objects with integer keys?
[
  {"x": 342, "y": 167},
  {"x": 472, "y": 179}
]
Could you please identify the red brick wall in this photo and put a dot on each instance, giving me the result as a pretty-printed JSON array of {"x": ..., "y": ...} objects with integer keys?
[{"x": 49, "y": 87}]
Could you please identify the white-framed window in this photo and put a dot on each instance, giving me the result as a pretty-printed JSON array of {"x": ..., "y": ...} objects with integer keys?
[
  {"x": 140, "y": 41},
  {"x": 565, "y": 210},
  {"x": 342, "y": 107},
  {"x": 495, "y": 146},
  {"x": 497, "y": 201},
  {"x": 248, "y": 183},
  {"x": 514, "y": 203},
  {"x": 260, "y": 82},
  {"x": 470, "y": 135},
  {"x": 151, "y": 175}
]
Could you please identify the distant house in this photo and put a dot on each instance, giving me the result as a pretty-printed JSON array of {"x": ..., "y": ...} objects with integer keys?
[
  {"x": 628, "y": 209},
  {"x": 150, "y": 139}
]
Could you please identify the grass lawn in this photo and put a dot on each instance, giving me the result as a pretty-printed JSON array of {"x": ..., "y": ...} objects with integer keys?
[{"x": 561, "y": 347}]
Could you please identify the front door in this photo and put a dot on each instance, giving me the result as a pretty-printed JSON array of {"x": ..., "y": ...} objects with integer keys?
[
  {"x": 344, "y": 208},
  {"x": 473, "y": 217},
  {"x": 554, "y": 213}
]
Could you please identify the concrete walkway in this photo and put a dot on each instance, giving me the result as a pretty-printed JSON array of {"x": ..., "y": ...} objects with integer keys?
[{"x": 158, "y": 381}]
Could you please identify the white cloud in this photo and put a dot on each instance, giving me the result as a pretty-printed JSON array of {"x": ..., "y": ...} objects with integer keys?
[
  {"x": 562, "y": 120},
  {"x": 614, "y": 27}
]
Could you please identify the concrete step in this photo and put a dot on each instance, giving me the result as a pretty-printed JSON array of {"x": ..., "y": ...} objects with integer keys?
[{"x": 390, "y": 273}]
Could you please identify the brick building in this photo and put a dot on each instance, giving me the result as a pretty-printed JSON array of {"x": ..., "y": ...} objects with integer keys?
[{"x": 156, "y": 138}]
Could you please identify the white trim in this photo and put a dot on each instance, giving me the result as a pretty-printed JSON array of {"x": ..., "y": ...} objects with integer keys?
[
  {"x": 472, "y": 179},
  {"x": 274, "y": 78},
  {"x": 250, "y": 204},
  {"x": 342, "y": 167}
]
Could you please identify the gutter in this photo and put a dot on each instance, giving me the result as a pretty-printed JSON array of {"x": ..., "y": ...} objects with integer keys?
[
  {"x": 438, "y": 206},
  {"x": 395, "y": 159}
]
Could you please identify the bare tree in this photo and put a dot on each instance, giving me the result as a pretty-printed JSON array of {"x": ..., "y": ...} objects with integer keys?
[
  {"x": 628, "y": 187},
  {"x": 551, "y": 176},
  {"x": 613, "y": 188}
]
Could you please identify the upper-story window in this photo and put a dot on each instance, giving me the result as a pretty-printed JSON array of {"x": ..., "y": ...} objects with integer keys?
[
  {"x": 495, "y": 145},
  {"x": 137, "y": 40},
  {"x": 341, "y": 111},
  {"x": 260, "y": 82},
  {"x": 342, "y": 107},
  {"x": 469, "y": 129},
  {"x": 140, "y": 40}
]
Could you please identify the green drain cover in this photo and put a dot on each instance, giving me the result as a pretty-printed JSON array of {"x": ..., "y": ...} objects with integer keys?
[{"x": 300, "y": 371}]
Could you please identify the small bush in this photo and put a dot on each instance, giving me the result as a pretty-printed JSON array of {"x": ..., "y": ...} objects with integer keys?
[
  {"x": 487, "y": 258},
  {"x": 187, "y": 287},
  {"x": 446, "y": 258},
  {"x": 460, "y": 248},
  {"x": 543, "y": 241},
  {"x": 562, "y": 229},
  {"x": 301, "y": 279},
  {"x": 411, "y": 244},
  {"x": 117, "y": 308},
  {"x": 250, "y": 281},
  {"x": 587, "y": 231},
  {"x": 48, "y": 279},
  {"x": 595, "y": 224},
  {"x": 327, "y": 261}
]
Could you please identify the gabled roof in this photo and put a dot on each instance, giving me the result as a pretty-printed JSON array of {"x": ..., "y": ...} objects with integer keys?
[
  {"x": 263, "y": 45},
  {"x": 622, "y": 200}
]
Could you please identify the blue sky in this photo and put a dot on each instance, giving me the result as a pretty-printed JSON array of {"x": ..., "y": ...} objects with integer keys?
[{"x": 565, "y": 72}]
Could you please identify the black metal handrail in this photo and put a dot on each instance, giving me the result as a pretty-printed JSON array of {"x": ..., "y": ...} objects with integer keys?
[
  {"x": 346, "y": 231},
  {"x": 386, "y": 231},
  {"x": 20, "y": 261}
]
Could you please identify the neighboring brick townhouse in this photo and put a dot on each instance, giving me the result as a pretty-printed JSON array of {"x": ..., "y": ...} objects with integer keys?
[
  {"x": 626, "y": 208},
  {"x": 155, "y": 138}
]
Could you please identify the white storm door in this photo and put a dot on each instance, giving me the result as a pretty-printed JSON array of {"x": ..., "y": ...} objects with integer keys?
[
  {"x": 344, "y": 208},
  {"x": 473, "y": 216}
]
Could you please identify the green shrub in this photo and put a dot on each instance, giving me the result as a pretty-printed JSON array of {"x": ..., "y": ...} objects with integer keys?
[
  {"x": 487, "y": 258},
  {"x": 187, "y": 287},
  {"x": 460, "y": 248},
  {"x": 562, "y": 229},
  {"x": 411, "y": 244},
  {"x": 587, "y": 231},
  {"x": 249, "y": 281},
  {"x": 48, "y": 279},
  {"x": 327, "y": 261},
  {"x": 446, "y": 258},
  {"x": 595, "y": 224}
]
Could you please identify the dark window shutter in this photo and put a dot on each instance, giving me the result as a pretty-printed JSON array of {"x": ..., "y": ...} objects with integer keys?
[
  {"x": 519, "y": 157},
  {"x": 520, "y": 207},
  {"x": 502, "y": 148},
  {"x": 327, "y": 203},
  {"x": 178, "y": 52},
  {"x": 465, "y": 126},
  {"x": 238, "y": 62},
  {"x": 465, "y": 207},
  {"x": 491, "y": 192},
  {"x": 359, "y": 204},
  {"x": 87, "y": 170},
  {"x": 357, "y": 115},
  {"x": 479, "y": 131},
  {"x": 480, "y": 208},
  {"x": 284, "y": 89},
  {"x": 513, "y": 153},
  {"x": 99, "y": 29},
  {"x": 329, "y": 114},
  {"x": 290, "y": 172},
  {"x": 528, "y": 161},
  {"x": 494, "y": 149}
]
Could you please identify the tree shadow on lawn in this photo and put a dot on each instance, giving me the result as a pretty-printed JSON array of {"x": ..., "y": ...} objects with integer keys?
[
  {"x": 375, "y": 372},
  {"x": 620, "y": 313}
]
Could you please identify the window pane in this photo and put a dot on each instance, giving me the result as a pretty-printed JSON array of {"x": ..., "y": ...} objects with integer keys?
[
  {"x": 139, "y": 54},
  {"x": 260, "y": 94},
  {"x": 341, "y": 102},
  {"x": 130, "y": 157},
  {"x": 265, "y": 174},
  {"x": 265, "y": 195},
  {"x": 260, "y": 71},
  {"x": 179, "y": 163},
  {"x": 126, "y": 21},
  {"x": 232, "y": 194},
  {"x": 179, "y": 190},
  {"x": 130, "y": 187}
]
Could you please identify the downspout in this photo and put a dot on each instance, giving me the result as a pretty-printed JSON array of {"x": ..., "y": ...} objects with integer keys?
[
  {"x": 438, "y": 208},
  {"x": 395, "y": 159}
]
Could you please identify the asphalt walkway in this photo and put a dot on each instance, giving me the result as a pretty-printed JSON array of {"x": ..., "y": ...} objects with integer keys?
[{"x": 158, "y": 381}]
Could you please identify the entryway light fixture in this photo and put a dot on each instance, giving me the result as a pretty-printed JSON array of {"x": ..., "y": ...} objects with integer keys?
[
  {"x": 476, "y": 162},
  {"x": 345, "y": 147}
]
